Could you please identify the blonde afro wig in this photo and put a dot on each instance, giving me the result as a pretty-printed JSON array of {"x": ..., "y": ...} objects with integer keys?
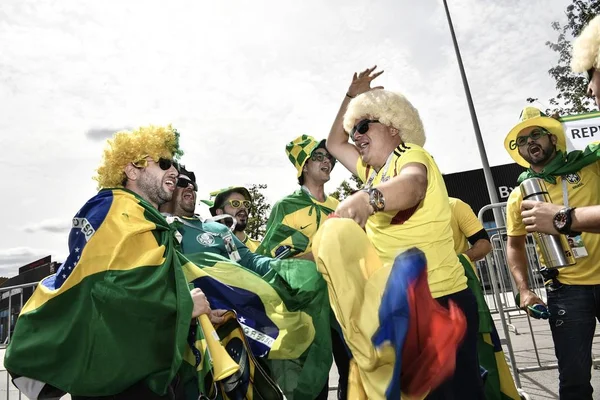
[
  {"x": 126, "y": 146},
  {"x": 586, "y": 47},
  {"x": 391, "y": 109}
]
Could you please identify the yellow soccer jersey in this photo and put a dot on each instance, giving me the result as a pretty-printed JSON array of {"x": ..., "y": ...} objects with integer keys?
[
  {"x": 583, "y": 189},
  {"x": 426, "y": 226},
  {"x": 251, "y": 244},
  {"x": 464, "y": 223}
]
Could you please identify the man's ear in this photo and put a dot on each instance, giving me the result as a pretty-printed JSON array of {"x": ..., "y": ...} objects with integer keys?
[
  {"x": 219, "y": 211},
  {"x": 131, "y": 172},
  {"x": 553, "y": 139},
  {"x": 394, "y": 131}
]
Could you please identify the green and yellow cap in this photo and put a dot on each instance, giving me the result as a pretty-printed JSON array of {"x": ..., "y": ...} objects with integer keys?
[{"x": 300, "y": 149}]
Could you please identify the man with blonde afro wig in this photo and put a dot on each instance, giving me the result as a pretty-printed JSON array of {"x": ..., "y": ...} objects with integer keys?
[
  {"x": 404, "y": 205},
  {"x": 120, "y": 300},
  {"x": 586, "y": 57}
]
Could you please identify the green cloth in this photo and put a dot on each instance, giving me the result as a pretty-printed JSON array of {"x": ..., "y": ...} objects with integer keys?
[
  {"x": 208, "y": 236},
  {"x": 279, "y": 236},
  {"x": 499, "y": 384},
  {"x": 563, "y": 165},
  {"x": 117, "y": 311}
]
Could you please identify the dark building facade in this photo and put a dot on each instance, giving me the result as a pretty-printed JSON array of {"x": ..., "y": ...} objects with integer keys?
[
  {"x": 12, "y": 301},
  {"x": 470, "y": 186}
]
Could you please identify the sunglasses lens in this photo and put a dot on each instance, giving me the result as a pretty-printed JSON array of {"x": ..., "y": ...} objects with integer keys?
[
  {"x": 164, "y": 164},
  {"x": 363, "y": 127},
  {"x": 235, "y": 203},
  {"x": 247, "y": 203}
]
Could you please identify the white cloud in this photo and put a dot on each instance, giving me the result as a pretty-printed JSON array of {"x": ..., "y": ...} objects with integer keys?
[{"x": 49, "y": 225}]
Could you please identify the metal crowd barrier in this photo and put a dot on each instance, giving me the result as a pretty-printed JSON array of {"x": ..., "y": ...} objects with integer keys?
[
  {"x": 12, "y": 300},
  {"x": 500, "y": 291}
]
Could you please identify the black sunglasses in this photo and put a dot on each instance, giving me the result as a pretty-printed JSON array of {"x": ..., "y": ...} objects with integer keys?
[
  {"x": 362, "y": 127},
  {"x": 183, "y": 182},
  {"x": 534, "y": 135},
  {"x": 317, "y": 156},
  {"x": 163, "y": 163}
]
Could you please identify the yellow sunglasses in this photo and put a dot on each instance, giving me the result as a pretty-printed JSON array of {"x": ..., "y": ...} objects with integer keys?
[{"x": 239, "y": 203}]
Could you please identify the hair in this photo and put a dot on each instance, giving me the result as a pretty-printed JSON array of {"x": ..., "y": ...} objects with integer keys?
[
  {"x": 131, "y": 146},
  {"x": 189, "y": 174},
  {"x": 586, "y": 47},
  {"x": 391, "y": 109},
  {"x": 221, "y": 197},
  {"x": 301, "y": 179}
]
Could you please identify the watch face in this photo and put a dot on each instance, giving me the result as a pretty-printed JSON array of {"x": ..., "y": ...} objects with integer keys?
[{"x": 560, "y": 220}]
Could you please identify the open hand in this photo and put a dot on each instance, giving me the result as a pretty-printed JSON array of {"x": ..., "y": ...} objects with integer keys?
[{"x": 361, "y": 82}]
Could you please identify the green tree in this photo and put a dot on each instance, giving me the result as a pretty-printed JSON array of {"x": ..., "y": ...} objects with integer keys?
[
  {"x": 258, "y": 213},
  {"x": 346, "y": 188},
  {"x": 571, "y": 88}
]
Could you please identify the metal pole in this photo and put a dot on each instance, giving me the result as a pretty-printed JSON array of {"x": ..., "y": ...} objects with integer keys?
[{"x": 487, "y": 172}]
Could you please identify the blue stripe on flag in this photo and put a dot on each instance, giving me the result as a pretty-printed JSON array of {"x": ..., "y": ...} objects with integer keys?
[
  {"x": 249, "y": 308},
  {"x": 85, "y": 224}
]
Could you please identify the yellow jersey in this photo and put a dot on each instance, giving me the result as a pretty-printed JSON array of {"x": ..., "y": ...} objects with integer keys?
[
  {"x": 464, "y": 224},
  {"x": 251, "y": 244},
  {"x": 426, "y": 226},
  {"x": 583, "y": 189}
]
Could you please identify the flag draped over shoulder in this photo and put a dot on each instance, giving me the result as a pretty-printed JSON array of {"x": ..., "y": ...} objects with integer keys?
[
  {"x": 284, "y": 314},
  {"x": 282, "y": 233},
  {"x": 499, "y": 383},
  {"x": 117, "y": 311}
]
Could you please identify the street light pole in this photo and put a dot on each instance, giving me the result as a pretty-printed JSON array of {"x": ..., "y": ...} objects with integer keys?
[{"x": 487, "y": 172}]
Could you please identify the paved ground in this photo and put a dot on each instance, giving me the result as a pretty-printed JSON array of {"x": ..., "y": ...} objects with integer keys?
[{"x": 537, "y": 384}]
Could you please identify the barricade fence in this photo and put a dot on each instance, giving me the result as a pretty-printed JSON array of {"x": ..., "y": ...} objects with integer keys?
[
  {"x": 12, "y": 300},
  {"x": 500, "y": 291}
]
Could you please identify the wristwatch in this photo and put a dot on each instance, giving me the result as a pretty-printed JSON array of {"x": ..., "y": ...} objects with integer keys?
[
  {"x": 376, "y": 199},
  {"x": 562, "y": 220}
]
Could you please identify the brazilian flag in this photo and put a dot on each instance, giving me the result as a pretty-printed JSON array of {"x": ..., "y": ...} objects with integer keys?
[
  {"x": 499, "y": 384},
  {"x": 282, "y": 235},
  {"x": 284, "y": 314},
  {"x": 116, "y": 313}
]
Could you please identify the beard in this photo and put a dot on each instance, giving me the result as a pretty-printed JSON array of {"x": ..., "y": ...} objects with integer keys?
[
  {"x": 241, "y": 224},
  {"x": 153, "y": 188},
  {"x": 541, "y": 154},
  {"x": 185, "y": 205}
]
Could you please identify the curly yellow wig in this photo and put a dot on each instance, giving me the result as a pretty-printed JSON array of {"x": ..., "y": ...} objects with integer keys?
[
  {"x": 126, "y": 146},
  {"x": 586, "y": 47},
  {"x": 391, "y": 109}
]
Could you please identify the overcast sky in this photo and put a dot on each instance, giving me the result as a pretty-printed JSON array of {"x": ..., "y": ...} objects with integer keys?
[{"x": 240, "y": 79}]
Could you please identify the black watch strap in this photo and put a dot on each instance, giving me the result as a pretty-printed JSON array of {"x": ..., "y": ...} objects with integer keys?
[{"x": 563, "y": 220}]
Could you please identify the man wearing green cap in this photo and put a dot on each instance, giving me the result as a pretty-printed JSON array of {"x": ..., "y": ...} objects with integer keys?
[
  {"x": 234, "y": 201},
  {"x": 538, "y": 143},
  {"x": 296, "y": 218}
]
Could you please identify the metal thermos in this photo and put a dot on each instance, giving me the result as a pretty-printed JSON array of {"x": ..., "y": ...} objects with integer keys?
[{"x": 554, "y": 249}]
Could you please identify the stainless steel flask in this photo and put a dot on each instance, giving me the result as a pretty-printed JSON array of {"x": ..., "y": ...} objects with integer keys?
[{"x": 554, "y": 249}]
